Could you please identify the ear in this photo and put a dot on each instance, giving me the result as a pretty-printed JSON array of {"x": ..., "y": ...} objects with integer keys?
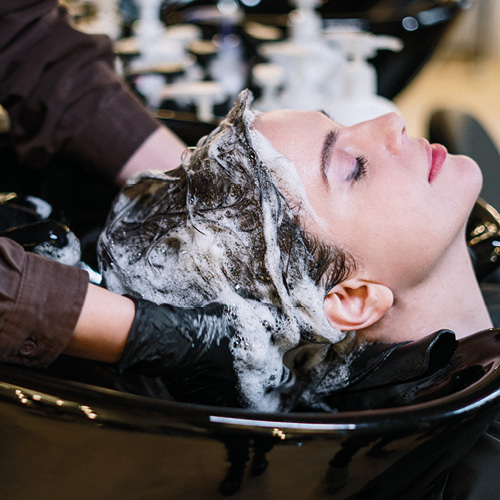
[{"x": 356, "y": 303}]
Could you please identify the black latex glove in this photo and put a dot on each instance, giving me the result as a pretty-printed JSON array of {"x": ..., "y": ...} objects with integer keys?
[
  {"x": 390, "y": 375},
  {"x": 188, "y": 348}
]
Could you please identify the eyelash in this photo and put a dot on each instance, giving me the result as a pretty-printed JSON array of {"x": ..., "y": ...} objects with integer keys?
[{"x": 360, "y": 171}]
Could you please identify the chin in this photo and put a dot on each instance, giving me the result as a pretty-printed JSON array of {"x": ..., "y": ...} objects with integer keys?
[
  {"x": 471, "y": 175},
  {"x": 462, "y": 180}
]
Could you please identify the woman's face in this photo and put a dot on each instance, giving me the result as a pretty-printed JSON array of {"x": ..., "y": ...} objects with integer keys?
[{"x": 397, "y": 204}]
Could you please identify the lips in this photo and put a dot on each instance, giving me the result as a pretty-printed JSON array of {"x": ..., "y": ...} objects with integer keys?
[{"x": 438, "y": 156}]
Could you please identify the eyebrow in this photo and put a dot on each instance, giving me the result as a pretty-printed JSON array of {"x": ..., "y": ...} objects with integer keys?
[
  {"x": 323, "y": 112},
  {"x": 326, "y": 154}
]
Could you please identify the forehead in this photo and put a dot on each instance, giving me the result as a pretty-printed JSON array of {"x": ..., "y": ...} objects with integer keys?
[
  {"x": 300, "y": 137},
  {"x": 292, "y": 132}
]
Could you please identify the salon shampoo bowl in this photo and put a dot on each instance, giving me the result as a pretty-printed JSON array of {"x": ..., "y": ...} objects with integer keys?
[{"x": 63, "y": 440}]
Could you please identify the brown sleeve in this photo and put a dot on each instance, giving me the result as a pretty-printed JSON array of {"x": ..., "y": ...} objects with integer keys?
[
  {"x": 61, "y": 91},
  {"x": 40, "y": 302}
]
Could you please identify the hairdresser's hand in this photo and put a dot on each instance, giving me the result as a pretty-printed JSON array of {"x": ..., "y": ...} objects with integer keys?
[
  {"x": 188, "y": 348},
  {"x": 392, "y": 375}
]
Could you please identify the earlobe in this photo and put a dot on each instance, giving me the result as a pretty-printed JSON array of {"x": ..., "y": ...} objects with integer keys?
[{"x": 356, "y": 303}]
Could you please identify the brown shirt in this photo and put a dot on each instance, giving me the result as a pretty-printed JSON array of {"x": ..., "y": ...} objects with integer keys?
[
  {"x": 40, "y": 301},
  {"x": 61, "y": 92}
]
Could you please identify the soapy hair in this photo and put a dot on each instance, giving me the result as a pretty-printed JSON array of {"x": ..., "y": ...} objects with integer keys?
[{"x": 220, "y": 228}]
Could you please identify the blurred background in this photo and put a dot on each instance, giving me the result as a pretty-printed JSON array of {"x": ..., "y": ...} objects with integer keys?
[
  {"x": 191, "y": 57},
  {"x": 450, "y": 55},
  {"x": 463, "y": 73}
]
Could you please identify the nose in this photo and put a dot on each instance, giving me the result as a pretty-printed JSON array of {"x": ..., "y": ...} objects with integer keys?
[
  {"x": 392, "y": 130},
  {"x": 388, "y": 130}
]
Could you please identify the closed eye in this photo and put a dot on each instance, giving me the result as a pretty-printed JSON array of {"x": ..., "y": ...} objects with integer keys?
[{"x": 360, "y": 169}]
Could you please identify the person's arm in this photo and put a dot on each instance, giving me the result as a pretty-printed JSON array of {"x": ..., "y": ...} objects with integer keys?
[
  {"x": 62, "y": 93},
  {"x": 40, "y": 303},
  {"x": 48, "y": 309},
  {"x": 162, "y": 150},
  {"x": 103, "y": 326}
]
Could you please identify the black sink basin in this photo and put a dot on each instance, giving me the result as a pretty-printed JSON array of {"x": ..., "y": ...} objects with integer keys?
[{"x": 72, "y": 440}]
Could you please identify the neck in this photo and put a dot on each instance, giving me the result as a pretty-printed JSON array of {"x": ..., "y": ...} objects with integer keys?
[{"x": 450, "y": 298}]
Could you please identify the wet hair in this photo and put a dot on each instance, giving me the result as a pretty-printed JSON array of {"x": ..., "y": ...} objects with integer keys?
[{"x": 221, "y": 228}]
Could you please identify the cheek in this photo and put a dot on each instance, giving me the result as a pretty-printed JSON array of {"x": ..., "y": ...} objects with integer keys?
[{"x": 398, "y": 238}]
